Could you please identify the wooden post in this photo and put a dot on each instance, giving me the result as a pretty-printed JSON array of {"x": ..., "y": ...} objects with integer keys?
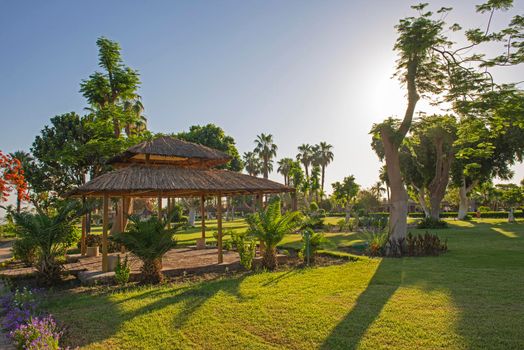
[
  {"x": 83, "y": 246},
  {"x": 123, "y": 213},
  {"x": 219, "y": 228},
  {"x": 105, "y": 222},
  {"x": 203, "y": 215},
  {"x": 169, "y": 210},
  {"x": 159, "y": 208}
]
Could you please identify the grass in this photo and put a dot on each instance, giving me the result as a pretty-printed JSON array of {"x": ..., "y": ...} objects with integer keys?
[{"x": 468, "y": 298}]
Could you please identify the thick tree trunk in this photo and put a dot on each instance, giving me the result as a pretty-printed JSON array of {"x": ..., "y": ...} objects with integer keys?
[
  {"x": 269, "y": 258},
  {"x": 511, "y": 215},
  {"x": 399, "y": 197}
]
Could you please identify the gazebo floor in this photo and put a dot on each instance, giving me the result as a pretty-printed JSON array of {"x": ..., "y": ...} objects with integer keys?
[{"x": 175, "y": 263}]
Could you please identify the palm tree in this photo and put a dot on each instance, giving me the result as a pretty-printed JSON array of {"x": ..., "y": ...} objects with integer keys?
[
  {"x": 266, "y": 150},
  {"x": 305, "y": 156},
  {"x": 323, "y": 156},
  {"x": 377, "y": 189},
  {"x": 270, "y": 226},
  {"x": 252, "y": 163},
  {"x": 149, "y": 241},
  {"x": 284, "y": 168},
  {"x": 51, "y": 235},
  {"x": 25, "y": 161}
]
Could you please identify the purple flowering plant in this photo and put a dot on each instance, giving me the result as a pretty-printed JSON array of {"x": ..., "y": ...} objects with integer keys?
[{"x": 38, "y": 333}]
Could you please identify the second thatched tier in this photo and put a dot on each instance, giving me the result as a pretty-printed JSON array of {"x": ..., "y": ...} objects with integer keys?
[{"x": 173, "y": 181}]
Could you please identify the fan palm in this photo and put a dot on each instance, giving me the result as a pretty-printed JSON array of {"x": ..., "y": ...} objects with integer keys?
[
  {"x": 149, "y": 241},
  {"x": 305, "y": 156},
  {"x": 324, "y": 155},
  {"x": 284, "y": 168},
  {"x": 270, "y": 226},
  {"x": 50, "y": 234},
  {"x": 252, "y": 163},
  {"x": 266, "y": 150}
]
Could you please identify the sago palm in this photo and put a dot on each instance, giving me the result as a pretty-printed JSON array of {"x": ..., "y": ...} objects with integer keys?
[
  {"x": 149, "y": 240},
  {"x": 270, "y": 226},
  {"x": 50, "y": 234}
]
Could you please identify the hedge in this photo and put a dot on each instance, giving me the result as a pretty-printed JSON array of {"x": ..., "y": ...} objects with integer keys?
[{"x": 450, "y": 214}]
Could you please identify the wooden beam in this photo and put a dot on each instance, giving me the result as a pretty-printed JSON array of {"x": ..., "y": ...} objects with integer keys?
[
  {"x": 203, "y": 215},
  {"x": 105, "y": 225},
  {"x": 219, "y": 229},
  {"x": 83, "y": 246}
]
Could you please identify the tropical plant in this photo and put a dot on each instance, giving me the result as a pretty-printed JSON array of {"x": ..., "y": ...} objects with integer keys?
[
  {"x": 51, "y": 234},
  {"x": 323, "y": 156},
  {"x": 25, "y": 251},
  {"x": 270, "y": 226},
  {"x": 122, "y": 271},
  {"x": 252, "y": 163},
  {"x": 284, "y": 167},
  {"x": 246, "y": 248},
  {"x": 305, "y": 156},
  {"x": 311, "y": 242},
  {"x": 149, "y": 240},
  {"x": 266, "y": 150},
  {"x": 345, "y": 193}
]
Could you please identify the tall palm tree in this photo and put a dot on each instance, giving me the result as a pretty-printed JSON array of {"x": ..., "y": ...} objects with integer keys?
[
  {"x": 323, "y": 156},
  {"x": 284, "y": 168},
  {"x": 252, "y": 163},
  {"x": 305, "y": 156},
  {"x": 266, "y": 150},
  {"x": 25, "y": 160}
]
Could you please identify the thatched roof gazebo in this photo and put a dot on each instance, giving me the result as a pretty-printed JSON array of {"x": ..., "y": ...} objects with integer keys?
[{"x": 170, "y": 168}]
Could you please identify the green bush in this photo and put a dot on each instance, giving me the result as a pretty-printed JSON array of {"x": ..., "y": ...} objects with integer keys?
[
  {"x": 376, "y": 244},
  {"x": 25, "y": 251},
  {"x": 122, "y": 271},
  {"x": 424, "y": 245},
  {"x": 432, "y": 223},
  {"x": 246, "y": 248},
  {"x": 311, "y": 242}
]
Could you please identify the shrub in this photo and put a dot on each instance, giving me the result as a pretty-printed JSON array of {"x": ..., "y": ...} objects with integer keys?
[
  {"x": 376, "y": 244},
  {"x": 313, "y": 206},
  {"x": 343, "y": 225},
  {"x": 373, "y": 223},
  {"x": 18, "y": 307},
  {"x": 51, "y": 234},
  {"x": 93, "y": 240},
  {"x": 270, "y": 226},
  {"x": 149, "y": 241},
  {"x": 122, "y": 271},
  {"x": 25, "y": 251},
  {"x": 431, "y": 223},
  {"x": 246, "y": 248},
  {"x": 311, "y": 242},
  {"x": 38, "y": 333},
  {"x": 426, "y": 244}
]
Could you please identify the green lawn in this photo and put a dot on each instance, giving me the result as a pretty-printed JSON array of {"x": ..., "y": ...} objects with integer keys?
[{"x": 469, "y": 298}]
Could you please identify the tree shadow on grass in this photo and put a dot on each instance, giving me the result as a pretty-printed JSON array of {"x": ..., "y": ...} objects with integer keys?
[
  {"x": 348, "y": 333},
  {"x": 99, "y": 317}
]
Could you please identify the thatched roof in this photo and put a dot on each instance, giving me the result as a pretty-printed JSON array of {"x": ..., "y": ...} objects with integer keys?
[
  {"x": 169, "y": 150},
  {"x": 166, "y": 180}
]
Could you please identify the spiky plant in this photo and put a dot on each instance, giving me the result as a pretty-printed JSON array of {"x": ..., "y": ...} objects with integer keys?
[
  {"x": 270, "y": 226},
  {"x": 50, "y": 233},
  {"x": 149, "y": 240}
]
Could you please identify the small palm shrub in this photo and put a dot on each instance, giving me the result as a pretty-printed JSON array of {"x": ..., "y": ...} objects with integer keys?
[
  {"x": 431, "y": 223},
  {"x": 311, "y": 242},
  {"x": 149, "y": 240},
  {"x": 122, "y": 271},
  {"x": 246, "y": 248},
  {"x": 376, "y": 244},
  {"x": 270, "y": 226},
  {"x": 51, "y": 234},
  {"x": 25, "y": 251}
]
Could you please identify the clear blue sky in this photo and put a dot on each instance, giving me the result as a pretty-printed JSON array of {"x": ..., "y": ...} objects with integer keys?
[{"x": 304, "y": 71}]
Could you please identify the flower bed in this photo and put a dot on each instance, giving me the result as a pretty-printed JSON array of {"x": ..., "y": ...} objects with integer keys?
[{"x": 27, "y": 325}]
